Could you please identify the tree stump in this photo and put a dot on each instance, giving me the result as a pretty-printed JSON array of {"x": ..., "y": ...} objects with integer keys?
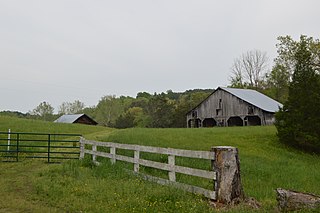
[
  {"x": 292, "y": 200},
  {"x": 227, "y": 166}
]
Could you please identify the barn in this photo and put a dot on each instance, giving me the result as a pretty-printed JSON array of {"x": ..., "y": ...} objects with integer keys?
[
  {"x": 76, "y": 118},
  {"x": 233, "y": 107}
]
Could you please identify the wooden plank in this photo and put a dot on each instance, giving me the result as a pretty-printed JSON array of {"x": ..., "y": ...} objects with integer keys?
[
  {"x": 158, "y": 150},
  {"x": 111, "y": 156},
  {"x": 193, "y": 189}
]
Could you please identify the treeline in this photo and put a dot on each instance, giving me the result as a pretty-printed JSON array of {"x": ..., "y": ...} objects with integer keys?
[
  {"x": 147, "y": 110},
  {"x": 167, "y": 109}
]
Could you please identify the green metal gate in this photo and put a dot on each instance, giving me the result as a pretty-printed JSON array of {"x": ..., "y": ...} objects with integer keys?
[{"x": 15, "y": 146}]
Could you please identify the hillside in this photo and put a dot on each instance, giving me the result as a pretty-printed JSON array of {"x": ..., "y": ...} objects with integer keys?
[
  {"x": 38, "y": 126},
  {"x": 80, "y": 186}
]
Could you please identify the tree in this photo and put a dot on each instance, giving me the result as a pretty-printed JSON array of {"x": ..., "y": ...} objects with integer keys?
[
  {"x": 277, "y": 85},
  {"x": 298, "y": 122},
  {"x": 249, "y": 69},
  {"x": 160, "y": 110},
  {"x": 44, "y": 110},
  {"x": 287, "y": 49},
  {"x": 110, "y": 108},
  {"x": 133, "y": 117},
  {"x": 71, "y": 108}
]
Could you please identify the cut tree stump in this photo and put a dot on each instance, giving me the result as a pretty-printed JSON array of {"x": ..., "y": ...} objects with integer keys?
[
  {"x": 291, "y": 200},
  {"x": 227, "y": 166}
]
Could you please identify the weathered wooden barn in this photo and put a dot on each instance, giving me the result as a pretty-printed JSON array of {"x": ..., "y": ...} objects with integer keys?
[
  {"x": 233, "y": 107},
  {"x": 76, "y": 118}
]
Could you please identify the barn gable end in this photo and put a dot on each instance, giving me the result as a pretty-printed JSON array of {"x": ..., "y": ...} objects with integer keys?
[
  {"x": 233, "y": 107},
  {"x": 76, "y": 118}
]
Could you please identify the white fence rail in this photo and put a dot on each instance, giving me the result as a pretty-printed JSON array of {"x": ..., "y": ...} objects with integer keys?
[{"x": 171, "y": 167}]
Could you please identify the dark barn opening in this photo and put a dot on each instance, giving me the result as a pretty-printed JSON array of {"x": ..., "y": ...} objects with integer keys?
[
  {"x": 252, "y": 120},
  {"x": 235, "y": 121},
  {"x": 197, "y": 123},
  {"x": 194, "y": 123},
  {"x": 209, "y": 122}
]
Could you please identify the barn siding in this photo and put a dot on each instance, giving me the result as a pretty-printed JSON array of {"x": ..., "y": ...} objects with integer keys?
[
  {"x": 230, "y": 106},
  {"x": 85, "y": 120}
]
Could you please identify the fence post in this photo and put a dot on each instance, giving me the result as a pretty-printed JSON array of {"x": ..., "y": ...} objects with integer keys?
[
  {"x": 171, "y": 162},
  {"x": 9, "y": 139},
  {"x": 81, "y": 148},
  {"x": 49, "y": 144},
  {"x": 94, "y": 149},
  {"x": 136, "y": 161},
  {"x": 227, "y": 167},
  {"x": 18, "y": 139},
  {"x": 113, "y": 153}
]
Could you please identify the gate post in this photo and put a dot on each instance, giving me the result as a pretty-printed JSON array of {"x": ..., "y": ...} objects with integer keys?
[
  {"x": 81, "y": 156},
  {"x": 227, "y": 167}
]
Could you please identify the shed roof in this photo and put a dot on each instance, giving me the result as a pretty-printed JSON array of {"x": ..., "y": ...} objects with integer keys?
[
  {"x": 255, "y": 98},
  {"x": 68, "y": 118}
]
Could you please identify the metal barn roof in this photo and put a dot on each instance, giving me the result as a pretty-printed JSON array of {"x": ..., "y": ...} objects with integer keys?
[
  {"x": 255, "y": 98},
  {"x": 68, "y": 118}
]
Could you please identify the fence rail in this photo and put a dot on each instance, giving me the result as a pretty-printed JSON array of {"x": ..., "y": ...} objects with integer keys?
[
  {"x": 170, "y": 167},
  {"x": 52, "y": 147}
]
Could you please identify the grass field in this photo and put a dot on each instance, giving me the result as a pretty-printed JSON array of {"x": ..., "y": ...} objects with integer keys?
[{"x": 79, "y": 186}]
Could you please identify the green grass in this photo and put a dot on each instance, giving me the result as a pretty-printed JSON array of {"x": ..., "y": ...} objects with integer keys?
[
  {"x": 265, "y": 164},
  {"x": 37, "y": 126},
  {"x": 79, "y": 186}
]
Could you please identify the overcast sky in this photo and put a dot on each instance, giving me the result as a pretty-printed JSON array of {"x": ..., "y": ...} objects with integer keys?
[{"x": 66, "y": 50}]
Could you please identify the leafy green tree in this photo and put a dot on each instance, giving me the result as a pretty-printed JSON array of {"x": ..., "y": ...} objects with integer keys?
[
  {"x": 298, "y": 122},
  {"x": 110, "y": 108},
  {"x": 160, "y": 110},
  {"x": 287, "y": 49},
  {"x": 143, "y": 95},
  {"x": 44, "y": 111},
  {"x": 277, "y": 85},
  {"x": 124, "y": 121},
  {"x": 71, "y": 108}
]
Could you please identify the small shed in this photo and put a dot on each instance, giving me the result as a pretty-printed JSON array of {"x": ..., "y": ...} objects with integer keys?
[
  {"x": 233, "y": 107},
  {"x": 76, "y": 118}
]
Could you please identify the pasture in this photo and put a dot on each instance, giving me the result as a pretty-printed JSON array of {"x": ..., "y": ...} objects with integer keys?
[{"x": 79, "y": 186}]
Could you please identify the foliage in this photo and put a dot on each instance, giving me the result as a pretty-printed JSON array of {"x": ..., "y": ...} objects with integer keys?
[
  {"x": 146, "y": 110},
  {"x": 277, "y": 85},
  {"x": 110, "y": 108},
  {"x": 160, "y": 110},
  {"x": 71, "y": 108},
  {"x": 298, "y": 123},
  {"x": 44, "y": 111}
]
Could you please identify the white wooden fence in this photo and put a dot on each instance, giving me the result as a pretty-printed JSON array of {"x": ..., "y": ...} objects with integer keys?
[{"x": 171, "y": 167}]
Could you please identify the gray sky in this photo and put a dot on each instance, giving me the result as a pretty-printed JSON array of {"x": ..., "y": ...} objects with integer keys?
[{"x": 66, "y": 50}]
